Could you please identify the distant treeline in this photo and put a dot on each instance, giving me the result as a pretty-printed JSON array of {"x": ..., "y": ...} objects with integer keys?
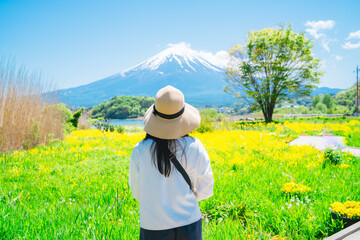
[{"x": 122, "y": 107}]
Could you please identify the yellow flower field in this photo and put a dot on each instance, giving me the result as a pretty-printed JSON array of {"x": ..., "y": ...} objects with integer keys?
[{"x": 78, "y": 188}]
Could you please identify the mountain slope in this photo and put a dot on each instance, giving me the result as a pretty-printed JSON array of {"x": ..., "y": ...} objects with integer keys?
[{"x": 326, "y": 90}]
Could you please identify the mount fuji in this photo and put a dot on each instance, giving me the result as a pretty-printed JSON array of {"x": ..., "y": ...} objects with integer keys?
[{"x": 188, "y": 70}]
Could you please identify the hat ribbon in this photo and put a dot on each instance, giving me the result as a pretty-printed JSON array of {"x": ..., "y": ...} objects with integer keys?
[{"x": 168, "y": 116}]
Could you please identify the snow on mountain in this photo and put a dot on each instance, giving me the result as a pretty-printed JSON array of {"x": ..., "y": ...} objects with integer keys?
[{"x": 186, "y": 58}]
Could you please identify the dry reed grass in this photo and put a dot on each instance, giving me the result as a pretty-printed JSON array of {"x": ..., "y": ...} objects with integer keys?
[
  {"x": 84, "y": 121},
  {"x": 27, "y": 116}
]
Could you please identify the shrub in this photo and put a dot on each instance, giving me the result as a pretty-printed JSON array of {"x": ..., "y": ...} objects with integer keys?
[
  {"x": 332, "y": 156},
  {"x": 120, "y": 129},
  {"x": 321, "y": 107},
  {"x": 205, "y": 125},
  {"x": 233, "y": 211},
  {"x": 69, "y": 127},
  {"x": 208, "y": 119}
]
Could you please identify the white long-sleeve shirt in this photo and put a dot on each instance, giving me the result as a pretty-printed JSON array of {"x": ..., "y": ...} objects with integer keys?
[{"x": 168, "y": 202}]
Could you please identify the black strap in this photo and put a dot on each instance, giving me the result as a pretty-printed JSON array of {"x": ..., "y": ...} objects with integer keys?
[
  {"x": 178, "y": 166},
  {"x": 168, "y": 116}
]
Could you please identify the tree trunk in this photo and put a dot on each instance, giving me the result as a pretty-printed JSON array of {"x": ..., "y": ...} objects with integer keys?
[{"x": 268, "y": 114}]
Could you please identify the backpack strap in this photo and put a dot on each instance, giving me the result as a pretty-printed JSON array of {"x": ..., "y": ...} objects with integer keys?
[{"x": 178, "y": 166}]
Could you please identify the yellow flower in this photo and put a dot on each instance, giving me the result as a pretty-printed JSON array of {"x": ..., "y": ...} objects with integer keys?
[
  {"x": 293, "y": 187},
  {"x": 343, "y": 165},
  {"x": 348, "y": 209}
]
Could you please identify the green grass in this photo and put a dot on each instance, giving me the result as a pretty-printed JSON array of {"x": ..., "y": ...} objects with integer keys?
[{"x": 65, "y": 192}]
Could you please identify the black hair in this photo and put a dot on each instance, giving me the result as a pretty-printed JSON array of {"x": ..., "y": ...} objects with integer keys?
[{"x": 160, "y": 153}]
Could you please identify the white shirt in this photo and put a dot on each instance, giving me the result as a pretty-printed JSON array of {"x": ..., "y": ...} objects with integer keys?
[{"x": 168, "y": 202}]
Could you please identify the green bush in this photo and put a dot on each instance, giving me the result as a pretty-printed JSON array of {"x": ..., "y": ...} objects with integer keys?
[
  {"x": 332, "y": 156},
  {"x": 69, "y": 127},
  {"x": 120, "y": 129},
  {"x": 321, "y": 107},
  {"x": 206, "y": 125},
  {"x": 232, "y": 211}
]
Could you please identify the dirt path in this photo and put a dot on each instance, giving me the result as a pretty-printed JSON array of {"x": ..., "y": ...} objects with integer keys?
[{"x": 322, "y": 142}]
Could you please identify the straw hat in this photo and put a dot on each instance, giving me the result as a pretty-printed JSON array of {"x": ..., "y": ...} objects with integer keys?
[{"x": 170, "y": 117}]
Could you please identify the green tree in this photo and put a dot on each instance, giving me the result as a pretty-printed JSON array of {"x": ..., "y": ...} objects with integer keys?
[
  {"x": 347, "y": 98},
  {"x": 328, "y": 101},
  {"x": 321, "y": 107},
  {"x": 75, "y": 118},
  {"x": 273, "y": 66},
  {"x": 315, "y": 100}
]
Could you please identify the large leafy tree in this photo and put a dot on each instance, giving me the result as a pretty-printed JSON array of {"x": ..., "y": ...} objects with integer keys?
[{"x": 274, "y": 65}]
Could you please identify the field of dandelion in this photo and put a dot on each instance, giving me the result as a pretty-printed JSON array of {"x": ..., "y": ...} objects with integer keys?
[{"x": 264, "y": 188}]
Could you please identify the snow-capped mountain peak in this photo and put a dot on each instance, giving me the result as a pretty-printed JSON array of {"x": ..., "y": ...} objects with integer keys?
[{"x": 181, "y": 54}]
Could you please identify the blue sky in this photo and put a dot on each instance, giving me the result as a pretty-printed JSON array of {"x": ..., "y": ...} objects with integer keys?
[{"x": 77, "y": 42}]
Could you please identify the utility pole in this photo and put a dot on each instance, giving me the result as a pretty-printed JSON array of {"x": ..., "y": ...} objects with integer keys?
[{"x": 357, "y": 89}]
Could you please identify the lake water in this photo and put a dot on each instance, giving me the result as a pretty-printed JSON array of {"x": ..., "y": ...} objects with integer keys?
[{"x": 127, "y": 122}]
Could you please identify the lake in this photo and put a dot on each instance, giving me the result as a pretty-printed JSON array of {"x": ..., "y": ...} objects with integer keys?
[{"x": 127, "y": 122}]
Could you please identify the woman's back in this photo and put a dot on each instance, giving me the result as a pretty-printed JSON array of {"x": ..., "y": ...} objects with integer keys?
[
  {"x": 168, "y": 202},
  {"x": 168, "y": 188}
]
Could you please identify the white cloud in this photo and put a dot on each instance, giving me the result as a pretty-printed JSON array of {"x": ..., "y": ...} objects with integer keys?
[
  {"x": 322, "y": 65},
  {"x": 325, "y": 43},
  {"x": 314, "y": 33},
  {"x": 338, "y": 58},
  {"x": 219, "y": 59},
  {"x": 316, "y": 26},
  {"x": 314, "y": 30},
  {"x": 355, "y": 35},
  {"x": 349, "y": 45}
]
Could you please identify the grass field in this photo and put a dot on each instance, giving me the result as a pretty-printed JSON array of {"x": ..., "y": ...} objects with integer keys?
[{"x": 78, "y": 188}]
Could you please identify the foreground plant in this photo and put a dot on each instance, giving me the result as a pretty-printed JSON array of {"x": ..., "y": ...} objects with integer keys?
[{"x": 348, "y": 209}]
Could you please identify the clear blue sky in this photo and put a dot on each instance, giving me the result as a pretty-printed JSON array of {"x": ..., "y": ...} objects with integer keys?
[{"x": 77, "y": 42}]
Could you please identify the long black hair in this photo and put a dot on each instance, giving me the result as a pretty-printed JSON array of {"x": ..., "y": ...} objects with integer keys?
[{"x": 160, "y": 153}]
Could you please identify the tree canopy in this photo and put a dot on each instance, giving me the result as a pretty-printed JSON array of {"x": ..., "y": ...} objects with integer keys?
[
  {"x": 274, "y": 65},
  {"x": 316, "y": 100},
  {"x": 122, "y": 107},
  {"x": 347, "y": 98},
  {"x": 328, "y": 101}
]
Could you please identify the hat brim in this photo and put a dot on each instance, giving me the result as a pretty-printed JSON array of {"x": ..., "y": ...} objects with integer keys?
[{"x": 171, "y": 128}]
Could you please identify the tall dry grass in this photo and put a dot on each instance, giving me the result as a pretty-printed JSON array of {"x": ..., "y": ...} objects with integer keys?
[{"x": 27, "y": 116}]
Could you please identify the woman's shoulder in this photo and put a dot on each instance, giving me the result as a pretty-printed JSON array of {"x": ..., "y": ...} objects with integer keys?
[
  {"x": 193, "y": 142},
  {"x": 145, "y": 143}
]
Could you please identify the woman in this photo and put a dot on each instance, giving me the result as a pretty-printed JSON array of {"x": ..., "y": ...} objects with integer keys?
[{"x": 168, "y": 194}]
